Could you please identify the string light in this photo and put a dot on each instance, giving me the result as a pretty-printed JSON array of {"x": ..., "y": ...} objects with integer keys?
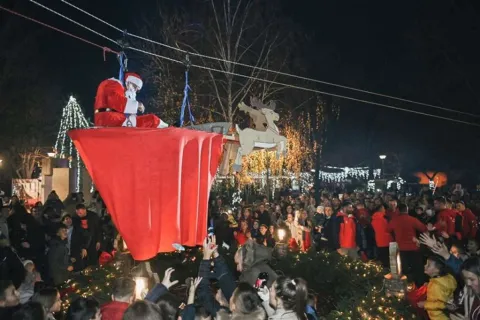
[
  {"x": 72, "y": 118},
  {"x": 236, "y": 199},
  {"x": 371, "y": 185},
  {"x": 398, "y": 181},
  {"x": 346, "y": 173}
]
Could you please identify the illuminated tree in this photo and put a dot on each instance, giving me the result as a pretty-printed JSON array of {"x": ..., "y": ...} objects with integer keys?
[
  {"x": 72, "y": 118},
  {"x": 298, "y": 155}
]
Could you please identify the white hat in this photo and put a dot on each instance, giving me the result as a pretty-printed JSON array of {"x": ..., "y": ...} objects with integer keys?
[{"x": 25, "y": 262}]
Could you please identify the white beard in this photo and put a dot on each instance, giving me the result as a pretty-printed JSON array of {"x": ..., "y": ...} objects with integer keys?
[{"x": 131, "y": 94}]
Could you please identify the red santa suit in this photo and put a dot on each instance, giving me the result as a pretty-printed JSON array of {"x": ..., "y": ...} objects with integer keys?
[{"x": 114, "y": 109}]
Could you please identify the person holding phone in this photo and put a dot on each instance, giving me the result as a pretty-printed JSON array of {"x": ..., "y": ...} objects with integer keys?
[{"x": 286, "y": 299}]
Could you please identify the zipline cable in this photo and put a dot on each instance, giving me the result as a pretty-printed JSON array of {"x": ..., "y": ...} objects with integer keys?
[
  {"x": 274, "y": 82},
  {"x": 105, "y": 49},
  {"x": 269, "y": 70}
]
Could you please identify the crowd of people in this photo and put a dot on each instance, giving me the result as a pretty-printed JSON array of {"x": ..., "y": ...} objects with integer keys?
[
  {"x": 41, "y": 247},
  {"x": 436, "y": 236}
]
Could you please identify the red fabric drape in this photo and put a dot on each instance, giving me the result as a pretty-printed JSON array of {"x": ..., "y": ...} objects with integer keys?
[{"x": 155, "y": 182}]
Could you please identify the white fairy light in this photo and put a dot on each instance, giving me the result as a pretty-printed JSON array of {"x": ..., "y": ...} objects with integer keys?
[
  {"x": 398, "y": 181},
  {"x": 347, "y": 172},
  {"x": 371, "y": 185},
  {"x": 72, "y": 118},
  {"x": 236, "y": 199}
]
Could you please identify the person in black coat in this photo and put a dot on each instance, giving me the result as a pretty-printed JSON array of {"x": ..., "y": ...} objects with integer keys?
[
  {"x": 27, "y": 237},
  {"x": 59, "y": 264},
  {"x": 11, "y": 267},
  {"x": 54, "y": 202},
  {"x": 86, "y": 238},
  {"x": 109, "y": 233}
]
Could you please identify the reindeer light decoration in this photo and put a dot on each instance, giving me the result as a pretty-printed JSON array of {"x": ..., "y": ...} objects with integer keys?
[{"x": 265, "y": 135}]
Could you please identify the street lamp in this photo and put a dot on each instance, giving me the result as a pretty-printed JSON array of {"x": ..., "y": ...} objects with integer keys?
[{"x": 383, "y": 157}]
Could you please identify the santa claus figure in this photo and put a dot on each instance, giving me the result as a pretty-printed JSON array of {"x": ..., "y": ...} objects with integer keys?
[{"x": 116, "y": 105}]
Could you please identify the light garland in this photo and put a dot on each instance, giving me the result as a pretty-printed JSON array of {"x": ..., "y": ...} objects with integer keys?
[
  {"x": 399, "y": 181},
  {"x": 236, "y": 199},
  {"x": 347, "y": 172},
  {"x": 305, "y": 179},
  {"x": 72, "y": 118},
  {"x": 371, "y": 186}
]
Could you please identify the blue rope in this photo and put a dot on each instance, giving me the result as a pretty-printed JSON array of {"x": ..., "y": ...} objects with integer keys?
[
  {"x": 122, "y": 67},
  {"x": 186, "y": 102}
]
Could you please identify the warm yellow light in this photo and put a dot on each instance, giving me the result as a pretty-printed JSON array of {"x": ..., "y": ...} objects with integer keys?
[
  {"x": 281, "y": 234},
  {"x": 399, "y": 264},
  {"x": 141, "y": 287}
]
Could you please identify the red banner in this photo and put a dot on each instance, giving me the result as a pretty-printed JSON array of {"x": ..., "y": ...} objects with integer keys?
[{"x": 155, "y": 182}]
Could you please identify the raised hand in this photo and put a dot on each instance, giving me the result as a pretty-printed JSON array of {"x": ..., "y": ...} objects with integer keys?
[
  {"x": 428, "y": 240},
  {"x": 141, "y": 107},
  {"x": 192, "y": 289},
  {"x": 264, "y": 293},
  {"x": 209, "y": 247},
  {"x": 167, "y": 281},
  {"x": 444, "y": 235},
  {"x": 442, "y": 250}
]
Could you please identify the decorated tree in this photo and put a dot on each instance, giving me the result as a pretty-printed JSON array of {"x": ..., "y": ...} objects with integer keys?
[{"x": 72, "y": 118}]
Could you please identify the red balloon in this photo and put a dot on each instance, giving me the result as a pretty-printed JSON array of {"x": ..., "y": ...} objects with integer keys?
[{"x": 154, "y": 182}]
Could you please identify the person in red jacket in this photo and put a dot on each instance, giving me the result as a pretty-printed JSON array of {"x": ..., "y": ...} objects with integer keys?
[
  {"x": 382, "y": 235},
  {"x": 346, "y": 229},
  {"x": 470, "y": 224},
  {"x": 404, "y": 229},
  {"x": 123, "y": 295},
  {"x": 445, "y": 218},
  {"x": 392, "y": 210},
  {"x": 362, "y": 214}
]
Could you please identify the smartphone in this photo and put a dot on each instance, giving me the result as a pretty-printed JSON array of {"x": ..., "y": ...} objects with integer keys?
[{"x": 262, "y": 280}]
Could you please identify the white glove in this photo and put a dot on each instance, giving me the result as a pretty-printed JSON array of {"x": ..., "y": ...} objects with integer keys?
[
  {"x": 141, "y": 107},
  {"x": 264, "y": 294}
]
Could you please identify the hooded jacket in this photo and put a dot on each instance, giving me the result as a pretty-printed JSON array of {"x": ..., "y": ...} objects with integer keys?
[
  {"x": 439, "y": 291},
  {"x": 380, "y": 225},
  {"x": 255, "y": 260},
  {"x": 347, "y": 230}
]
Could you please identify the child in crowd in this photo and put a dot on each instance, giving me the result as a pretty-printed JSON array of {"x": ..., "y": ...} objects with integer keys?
[
  {"x": 26, "y": 289},
  {"x": 440, "y": 289}
]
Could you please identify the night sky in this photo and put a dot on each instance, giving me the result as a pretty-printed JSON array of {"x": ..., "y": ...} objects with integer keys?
[{"x": 421, "y": 50}]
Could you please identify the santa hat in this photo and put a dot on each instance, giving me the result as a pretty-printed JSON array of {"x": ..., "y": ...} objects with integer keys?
[
  {"x": 25, "y": 262},
  {"x": 134, "y": 78}
]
